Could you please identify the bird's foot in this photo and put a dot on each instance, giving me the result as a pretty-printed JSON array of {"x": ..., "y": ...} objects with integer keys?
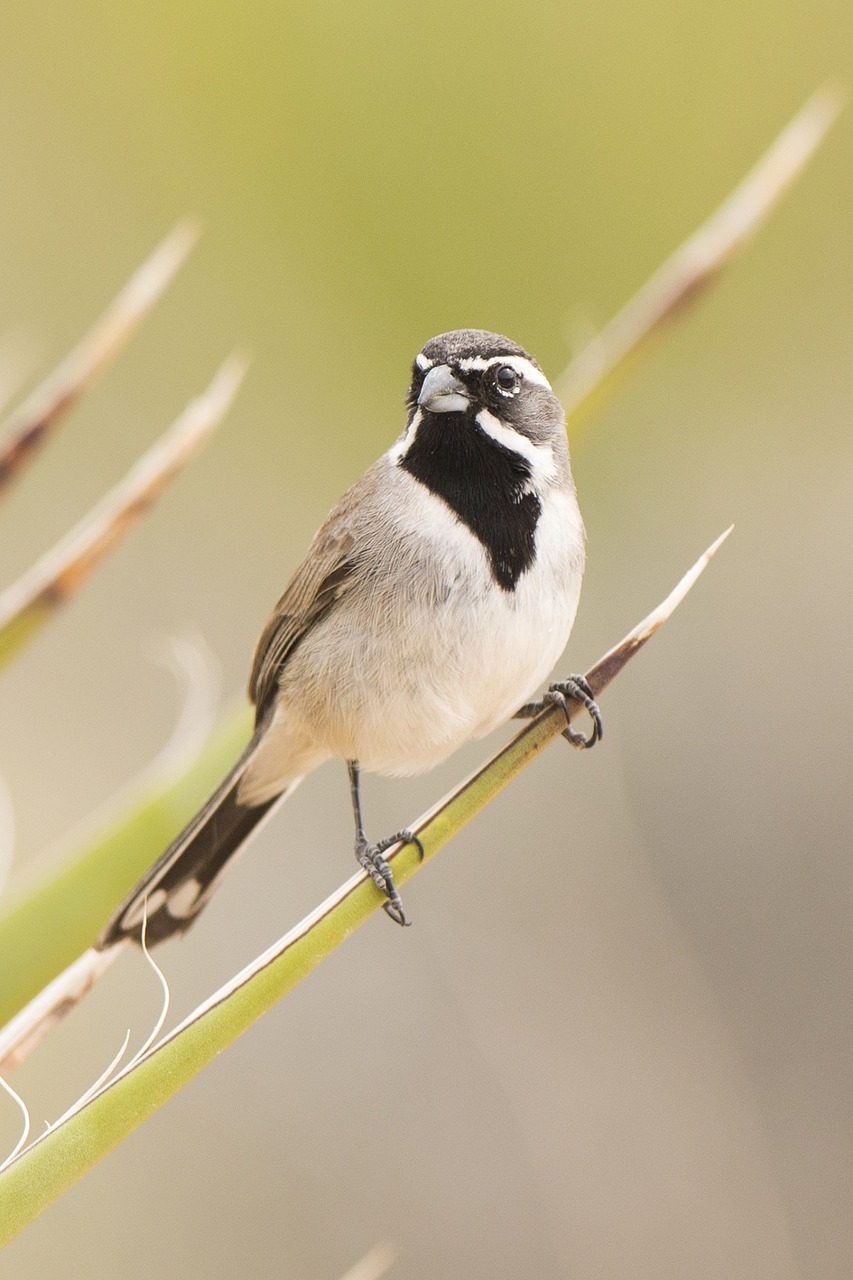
[
  {"x": 575, "y": 689},
  {"x": 371, "y": 859}
]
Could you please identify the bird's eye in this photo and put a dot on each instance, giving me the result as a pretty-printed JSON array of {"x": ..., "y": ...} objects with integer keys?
[{"x": 508, "y": 379}]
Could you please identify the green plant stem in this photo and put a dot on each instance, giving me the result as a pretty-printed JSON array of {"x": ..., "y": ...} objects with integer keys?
[
  {"x": 58, "y": 1159},
  {"x": 55, "y": 919},
  {"x": 597, "y": 369}
]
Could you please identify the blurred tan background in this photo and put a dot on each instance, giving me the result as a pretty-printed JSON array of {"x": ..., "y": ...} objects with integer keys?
[{"x": 645, "y": 1075}]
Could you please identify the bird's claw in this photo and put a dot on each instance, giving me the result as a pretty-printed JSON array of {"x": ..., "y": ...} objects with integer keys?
[
  {"x": 370, "y": 857},
  {"x": 396, "y": 913},
  {"x": 402, "y": 837},
  {"x": 576, "y": 689}
]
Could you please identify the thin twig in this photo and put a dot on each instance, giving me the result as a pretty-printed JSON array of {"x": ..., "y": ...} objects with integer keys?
[
  {"x": 28, "y": 426},
  {"x": 684, "y": 276},
  {"x": 374, "y": 1264},
  {"x": 29, "y": 1026},
  {"x": 63, "y": 569},
  {"x": 434, "y": 829}
]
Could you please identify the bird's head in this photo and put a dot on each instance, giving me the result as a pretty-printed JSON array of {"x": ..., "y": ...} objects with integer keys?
[{"x": 475, "y": 381}]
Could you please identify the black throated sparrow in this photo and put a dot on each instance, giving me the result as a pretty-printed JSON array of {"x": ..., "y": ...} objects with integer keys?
[{"x": 435, "y": 598}]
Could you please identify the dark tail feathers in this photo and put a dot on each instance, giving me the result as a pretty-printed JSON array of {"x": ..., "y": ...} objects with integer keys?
[{"x": 173, "y": 892}]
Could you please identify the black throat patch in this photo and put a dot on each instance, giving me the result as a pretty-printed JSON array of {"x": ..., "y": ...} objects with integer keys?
[{"x": 484, "y": 484}]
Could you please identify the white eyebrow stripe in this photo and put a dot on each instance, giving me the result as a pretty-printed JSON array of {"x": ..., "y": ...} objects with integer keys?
[
  {"x": 423, "y": 362},
  {"x": 540, "y": 456},
  {"x": 526, "y": 368},
  {"x": 402, "y": 446}
]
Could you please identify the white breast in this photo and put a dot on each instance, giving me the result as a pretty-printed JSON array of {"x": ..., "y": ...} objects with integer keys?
[{"x": 429, "y": 651}]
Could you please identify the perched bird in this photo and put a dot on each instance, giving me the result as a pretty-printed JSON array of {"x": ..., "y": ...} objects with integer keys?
[{"x": 433, "y": 601}]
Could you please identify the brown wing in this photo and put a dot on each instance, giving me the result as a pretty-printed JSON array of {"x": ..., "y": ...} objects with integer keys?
[
  {"x": 321, "y": 579},
  {"x": 329, "y": 569}
]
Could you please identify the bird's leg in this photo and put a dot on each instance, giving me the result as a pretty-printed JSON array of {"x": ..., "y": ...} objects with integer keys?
[
  {"x": 370, "y": 855},
  {"x": 576, "y": 689}
]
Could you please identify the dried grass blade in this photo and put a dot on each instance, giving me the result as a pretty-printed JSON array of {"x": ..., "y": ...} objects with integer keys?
[
  {"x": 28, "y": 426},
  {"x": 696, "y": 264},
  {"x": 54, "y": 578}
]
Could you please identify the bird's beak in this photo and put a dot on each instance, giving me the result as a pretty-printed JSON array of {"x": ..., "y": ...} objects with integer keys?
[{"x": 442, "y": 392}]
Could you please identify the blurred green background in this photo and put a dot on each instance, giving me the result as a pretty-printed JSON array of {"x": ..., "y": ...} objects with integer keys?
[{"x": 647, "y": 1075}]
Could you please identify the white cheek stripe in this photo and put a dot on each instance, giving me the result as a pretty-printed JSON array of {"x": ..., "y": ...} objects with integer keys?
[
  {"x": 540, "y": 456},
  {"x": 407, "y": 439},
  {"x": 524, "y": 367}
]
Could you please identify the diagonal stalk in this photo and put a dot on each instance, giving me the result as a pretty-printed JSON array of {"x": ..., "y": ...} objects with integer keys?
[
  {"x": 114, "y": 858},
  {"x": 54, "y": 1162},
  {"x": 28, "y": 426},
  {"x": 34, "y": 598},
  {"x": 697, "y": 263}
]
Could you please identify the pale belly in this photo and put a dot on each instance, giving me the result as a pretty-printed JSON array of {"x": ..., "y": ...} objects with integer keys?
[{"x": 401, "y": 684}]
